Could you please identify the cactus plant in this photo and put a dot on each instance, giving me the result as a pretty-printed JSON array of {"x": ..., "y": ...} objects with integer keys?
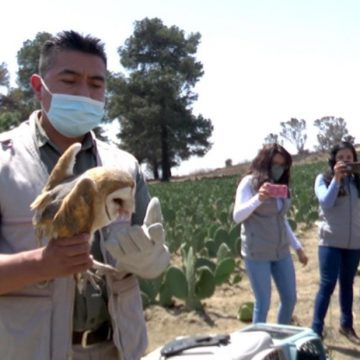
[
  {"x": 165, "y": 296},
  {"x": 205, "y": 284},
  {"x": 193, "y": 282},
  {"x": 223, "y": 252},
  {"x": 149, "y": 290},
  {"x": 245, "y": 312},
  {"x": 223, "y": 271},
  {"x": 175, "y": 281},
  {"x": 234, "y": 241}
]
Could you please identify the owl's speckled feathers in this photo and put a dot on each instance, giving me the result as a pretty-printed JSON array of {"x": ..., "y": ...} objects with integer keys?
[{"x": 71, "y": 205}]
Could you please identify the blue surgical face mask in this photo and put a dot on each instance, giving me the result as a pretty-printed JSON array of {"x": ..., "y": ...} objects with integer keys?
[
  {"x": 73, "y": 115},
  {"x": 276, "y": 172}
]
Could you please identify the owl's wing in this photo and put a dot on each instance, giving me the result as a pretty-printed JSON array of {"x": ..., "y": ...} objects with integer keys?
[
  {"x": 64, "y": 167},
  {"x": 76, "y": 214},
  {"x": 41, "y": 201},
  {"x": 44, "y": 211}
]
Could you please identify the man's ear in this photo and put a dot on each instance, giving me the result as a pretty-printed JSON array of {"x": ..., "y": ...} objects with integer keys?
[{"x": 36, "y": 85}]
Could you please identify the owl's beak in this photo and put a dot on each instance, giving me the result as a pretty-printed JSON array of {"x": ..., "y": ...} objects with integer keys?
[{"x": 123, "y": 212}]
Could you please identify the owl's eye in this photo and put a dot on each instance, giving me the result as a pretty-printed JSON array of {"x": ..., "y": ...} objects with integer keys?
[{"x": 118, "y": 201}]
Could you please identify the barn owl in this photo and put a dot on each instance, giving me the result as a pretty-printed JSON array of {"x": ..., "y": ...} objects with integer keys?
[{"x": 70, "y": 205}]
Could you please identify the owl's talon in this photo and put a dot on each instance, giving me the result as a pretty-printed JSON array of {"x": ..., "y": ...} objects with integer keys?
[
  {"x": 94, "y": 284},
  {"x": 102, "y": 269},
  {"x": 90, "y": 277}
]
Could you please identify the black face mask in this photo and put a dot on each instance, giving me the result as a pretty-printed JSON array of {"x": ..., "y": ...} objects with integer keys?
[{"x": 276, "y": 172}]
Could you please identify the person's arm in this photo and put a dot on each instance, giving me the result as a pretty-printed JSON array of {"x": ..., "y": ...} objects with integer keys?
[
  {"x": 245, "y": 201},
  {"x": 61, "y": 257},
  {"x": 19, "y": 270},
  {"x": 293, "y": 240},
  {"x": 326, "y": 194},
  {"x": 296, "y": 244}
]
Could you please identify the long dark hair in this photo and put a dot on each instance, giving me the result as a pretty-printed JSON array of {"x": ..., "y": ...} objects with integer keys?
[
  {"x": 260, "y": 167},
  {"x": 329, "y": 173}
]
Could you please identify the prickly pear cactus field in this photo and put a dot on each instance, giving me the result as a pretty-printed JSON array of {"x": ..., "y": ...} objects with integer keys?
[
  {"x": 204, "y": 239},
  {"x": 205, "y": 289}
]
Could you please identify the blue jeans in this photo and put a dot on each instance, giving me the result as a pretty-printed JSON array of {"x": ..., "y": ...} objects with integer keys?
[
  {"x": 283, "y": 273},
  {"x": 335, "y": 263}
]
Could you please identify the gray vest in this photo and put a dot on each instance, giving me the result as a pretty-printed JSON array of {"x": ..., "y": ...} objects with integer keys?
[
  {"x": 263, "y": 233},
  {"x": 340, "y": 224}
]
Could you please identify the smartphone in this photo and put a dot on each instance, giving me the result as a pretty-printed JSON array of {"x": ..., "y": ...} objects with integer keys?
[
  {"x": 278, "y": 191},
  {"x": 353, "y": 167}
]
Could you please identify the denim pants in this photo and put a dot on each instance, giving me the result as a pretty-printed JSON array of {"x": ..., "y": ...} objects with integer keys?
[
  {"x": 260, "y": 273},
  {"x": 335, "y": 263}
]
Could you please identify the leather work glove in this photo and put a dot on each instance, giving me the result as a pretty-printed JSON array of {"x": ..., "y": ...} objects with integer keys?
[{"x": 141, "y": 250}]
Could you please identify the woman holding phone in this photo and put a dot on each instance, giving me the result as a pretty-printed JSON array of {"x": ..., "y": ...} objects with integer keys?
[
  {"x": 261, "y": 206},
  {"x": 338, "y": 193}
]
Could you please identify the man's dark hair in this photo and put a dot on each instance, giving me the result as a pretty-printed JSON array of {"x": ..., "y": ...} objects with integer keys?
[{"x": 69, "y": 40}]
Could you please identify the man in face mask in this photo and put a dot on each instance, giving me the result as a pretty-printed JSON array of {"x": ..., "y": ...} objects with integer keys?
[
  {"x": 71, "y": 90},
  {"x": 37, "y": 290}
]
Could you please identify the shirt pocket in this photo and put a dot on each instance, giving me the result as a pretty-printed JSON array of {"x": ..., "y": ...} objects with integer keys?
[{"x": 25, "y": 327}]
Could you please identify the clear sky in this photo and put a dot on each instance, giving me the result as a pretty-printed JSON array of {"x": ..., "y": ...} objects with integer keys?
[{"x": 265, "y": 61}]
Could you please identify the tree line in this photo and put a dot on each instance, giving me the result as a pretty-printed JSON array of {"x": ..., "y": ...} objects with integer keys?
[
  {"x": 152, "y": 102},
  {"x": 331, "y": 130}
]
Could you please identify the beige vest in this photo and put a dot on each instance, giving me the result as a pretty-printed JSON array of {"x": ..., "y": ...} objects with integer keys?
[{"x": 36, "y": 321}]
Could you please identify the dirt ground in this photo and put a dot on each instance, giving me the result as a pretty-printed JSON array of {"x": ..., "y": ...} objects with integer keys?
[{"x": 221, "y": 310}]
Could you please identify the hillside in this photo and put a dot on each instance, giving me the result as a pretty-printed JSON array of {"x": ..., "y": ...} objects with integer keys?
[{"x": 242, "y": 167}]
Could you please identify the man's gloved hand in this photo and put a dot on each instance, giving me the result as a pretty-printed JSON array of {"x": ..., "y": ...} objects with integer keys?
[{"x": 141, "y": 250}]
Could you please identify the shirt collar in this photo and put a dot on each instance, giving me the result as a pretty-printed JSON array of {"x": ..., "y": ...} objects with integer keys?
[{"x": 41, "y": 138}]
